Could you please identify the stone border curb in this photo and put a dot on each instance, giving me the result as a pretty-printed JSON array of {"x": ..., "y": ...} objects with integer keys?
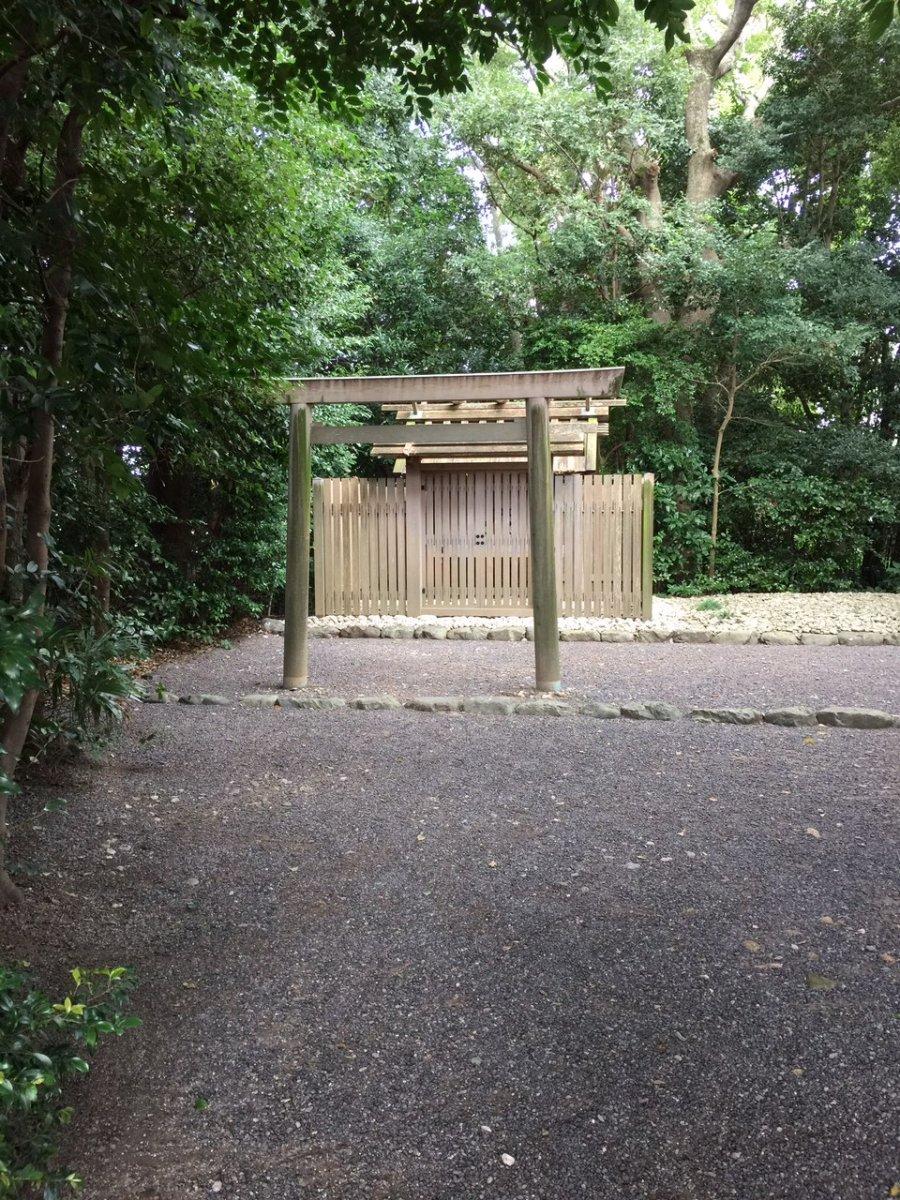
[
  {"x": 793, "y": 717},
  {"x": 641, "y": 633}
]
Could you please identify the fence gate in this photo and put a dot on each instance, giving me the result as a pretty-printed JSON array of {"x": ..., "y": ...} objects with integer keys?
[{"x": 456, "y": 542}]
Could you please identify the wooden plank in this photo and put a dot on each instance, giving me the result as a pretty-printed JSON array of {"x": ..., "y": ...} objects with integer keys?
[
  {"x": 647, "y": 548},
  {"x": 400, "y": 494},
  {"x": 319, "y": 545},
  {"x": 328, "y": 489},
  {"x": 367, "y": 600},
  {"x": 504, "y": 410},
  {"x": 616, "y": 542},
  {"x": 296, "y": 587},
  {"x": 415, "y": 543},
  {"x": 607, "y": 520},
  {"x": 636, "y": 484},
  {"x": 424, "y": 389},
  {"x": 430, "y": 435},
  {"x": 578, "y": 548}
]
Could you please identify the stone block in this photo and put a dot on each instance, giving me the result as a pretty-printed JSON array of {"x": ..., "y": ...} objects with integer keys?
[
  {"x": 543, "y": 708},
  {"x": 779, "y": 637},
  {"x": 596, "y": 708},
  {"x": 728, "y": 716},
  {"x": 791, "y": 717},
  {"x": 855, "y": 718},
  {"x": 854, "y": 638},
  {"x": 489, "y": 705},
  {"x": 651, "y": 710},
  {"x": 435, "y": 704},
  {"x": 508, "y": 633}
]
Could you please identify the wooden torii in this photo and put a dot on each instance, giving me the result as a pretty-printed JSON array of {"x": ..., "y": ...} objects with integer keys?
[{"x": 537, "y": 388}]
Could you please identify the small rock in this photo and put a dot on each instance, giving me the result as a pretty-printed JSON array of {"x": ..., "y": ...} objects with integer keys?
[
  {"x": 271, "y": 625},
  {"x": 855, "y": 718},
  {"x": 211, "y": 698},
  {"x": 507, "y": 1160},
  {"x": 434, "y": 633},
  {"x": 398, "y": 632},
  {"x": 791, "y": 717}
]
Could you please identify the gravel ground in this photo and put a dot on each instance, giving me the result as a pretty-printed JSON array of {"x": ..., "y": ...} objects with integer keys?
[
  {"x": 761, "y": 676},
  {"x": 640, "y": 960}
]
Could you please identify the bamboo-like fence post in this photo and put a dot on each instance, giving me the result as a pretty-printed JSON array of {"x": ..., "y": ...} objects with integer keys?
[
  {"x": 296, "y": 586},
  {"x": 647, "y": 549},
  {"x": 543, "y": 552}
]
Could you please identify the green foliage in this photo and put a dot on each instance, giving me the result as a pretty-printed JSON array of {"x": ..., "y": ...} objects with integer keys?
[{"x": 42, "y": 1046}]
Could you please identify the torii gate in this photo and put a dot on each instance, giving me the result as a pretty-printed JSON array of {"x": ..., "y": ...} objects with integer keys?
[{"x": 536, "y": 388}]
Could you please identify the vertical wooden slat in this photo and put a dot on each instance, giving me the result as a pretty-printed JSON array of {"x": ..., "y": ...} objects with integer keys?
[
  {"x": 647, "y": 548},
  {"x": 636, "y": 566},
  {"x": 319, "y": 546},
  {"x": 415, "y": 549},
  {"x": 579, "y": 545}
]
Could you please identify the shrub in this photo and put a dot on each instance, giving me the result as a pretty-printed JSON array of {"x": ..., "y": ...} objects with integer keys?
[{"x": 39, "y": 1043}]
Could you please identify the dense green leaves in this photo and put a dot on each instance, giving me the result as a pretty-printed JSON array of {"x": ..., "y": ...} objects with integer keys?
[{"x": 41, "y": 1043}]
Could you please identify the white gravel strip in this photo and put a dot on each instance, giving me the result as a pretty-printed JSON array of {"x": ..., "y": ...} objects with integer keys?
[{"x": 783, "y": 618}]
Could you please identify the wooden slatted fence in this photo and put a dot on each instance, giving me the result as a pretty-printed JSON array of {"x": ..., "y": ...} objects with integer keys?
[{"x": 467, "y": 544}]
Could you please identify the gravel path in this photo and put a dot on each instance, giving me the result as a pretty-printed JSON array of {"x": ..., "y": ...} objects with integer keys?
[
  {"x": 645, "y": 961},
  {"x": 867, "y": 676}
]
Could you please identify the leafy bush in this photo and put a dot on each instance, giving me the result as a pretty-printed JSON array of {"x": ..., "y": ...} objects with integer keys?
[{"x": 39, "y": 1040}]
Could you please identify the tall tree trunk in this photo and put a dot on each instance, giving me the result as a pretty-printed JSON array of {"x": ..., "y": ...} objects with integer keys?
[
  {"x": 705, "y": 180},
  {"x": 731, "y": 388},
  {"x": 57, "y": 252}
]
